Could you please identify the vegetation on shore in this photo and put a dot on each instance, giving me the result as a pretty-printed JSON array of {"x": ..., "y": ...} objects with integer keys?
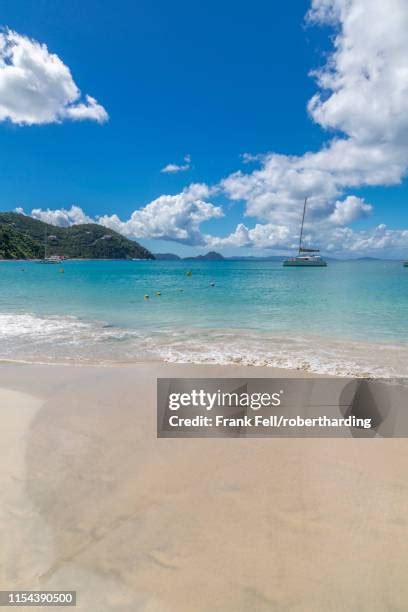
[{"x": 22, "y": 237}]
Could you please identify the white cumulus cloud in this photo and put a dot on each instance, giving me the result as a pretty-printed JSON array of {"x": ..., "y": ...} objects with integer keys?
[
  {"x": 338, "y": 240},
  {"x": 363, "y": 100},
  {"x": 63, "y": 217},
  {"x": 367, "y": 73},
  {"x": 175, "y": 168},
  {"x": 170, "y": 217},
  {"x": 262, "y": 236},
  {"x": 349, "y": 210},
  {"x": 36, "y": 87},
  {"x": 376, "y": 241}
]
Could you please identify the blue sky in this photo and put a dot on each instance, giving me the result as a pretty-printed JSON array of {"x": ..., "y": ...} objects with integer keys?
[{"x": 211, "y": 80}]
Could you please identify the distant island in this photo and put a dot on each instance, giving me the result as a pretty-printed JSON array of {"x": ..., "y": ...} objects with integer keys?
[
  {"x": 22, "y": 237},
  {"x": 214, "y": 256},
  {"x": 210, "y": 256}
]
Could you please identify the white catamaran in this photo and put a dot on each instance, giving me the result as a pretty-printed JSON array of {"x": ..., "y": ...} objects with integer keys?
[{"x": 307, "y": 260}]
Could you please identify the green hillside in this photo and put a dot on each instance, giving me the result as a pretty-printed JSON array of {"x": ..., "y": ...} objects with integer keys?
[{"x": 22, "y": 237}]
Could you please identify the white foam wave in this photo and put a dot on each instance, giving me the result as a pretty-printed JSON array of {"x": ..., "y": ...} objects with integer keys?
[
  {"x": 51, "y": 339},
  {"x": 310, "y": 354},
  {"x": 33, "y": 326}
]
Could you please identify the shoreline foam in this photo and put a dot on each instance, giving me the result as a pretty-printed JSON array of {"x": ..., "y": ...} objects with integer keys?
[{"x": 29, "y": 338}]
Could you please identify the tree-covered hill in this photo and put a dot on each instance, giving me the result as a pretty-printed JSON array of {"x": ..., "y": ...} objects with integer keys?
[{"x": 22, "y": 237}]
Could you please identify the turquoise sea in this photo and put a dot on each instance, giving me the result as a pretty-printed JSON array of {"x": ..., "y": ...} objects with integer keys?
[{"x": 348, "y": 318}]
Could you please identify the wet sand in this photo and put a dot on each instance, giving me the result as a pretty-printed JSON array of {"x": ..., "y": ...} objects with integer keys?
[{"x": 92, "y": 501}]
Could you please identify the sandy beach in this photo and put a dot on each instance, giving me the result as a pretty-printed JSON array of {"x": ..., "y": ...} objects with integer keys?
[{"x": 92, "y": 501}]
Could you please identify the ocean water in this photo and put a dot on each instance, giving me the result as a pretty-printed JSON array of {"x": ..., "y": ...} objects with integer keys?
[{"x": 348, "y": 318}]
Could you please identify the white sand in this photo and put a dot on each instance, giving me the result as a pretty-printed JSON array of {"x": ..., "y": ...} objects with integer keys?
[{"x": 91, "y": 500}]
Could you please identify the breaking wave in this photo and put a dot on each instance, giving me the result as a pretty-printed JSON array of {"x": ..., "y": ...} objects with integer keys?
[{"x": 65, "y": 339}]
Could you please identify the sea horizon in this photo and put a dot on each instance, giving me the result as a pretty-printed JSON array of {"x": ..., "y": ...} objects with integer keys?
[
  {"x": 331, "y": 321},
  {"x": 267, "y": 258}
]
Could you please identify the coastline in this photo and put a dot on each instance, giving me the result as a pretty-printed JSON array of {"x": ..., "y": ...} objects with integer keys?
[
  {"x": 348, "y": 320},
  {"x": 92, "y": 500},
  {"x": 70, "y": 340}
]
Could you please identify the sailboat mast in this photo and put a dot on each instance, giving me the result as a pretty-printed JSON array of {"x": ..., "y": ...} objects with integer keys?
[
  {"x": 45, "y": 243},
  {"x": 301, "y": 229}
]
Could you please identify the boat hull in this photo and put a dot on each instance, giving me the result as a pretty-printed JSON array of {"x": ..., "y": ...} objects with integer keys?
[{"x": 297, "y": 263}]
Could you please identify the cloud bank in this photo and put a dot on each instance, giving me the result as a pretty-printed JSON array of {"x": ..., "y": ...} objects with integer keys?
[{"x": 36, "y": 87}]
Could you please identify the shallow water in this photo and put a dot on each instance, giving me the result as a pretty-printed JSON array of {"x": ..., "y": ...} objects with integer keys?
[{"x": 348, "y": 318}]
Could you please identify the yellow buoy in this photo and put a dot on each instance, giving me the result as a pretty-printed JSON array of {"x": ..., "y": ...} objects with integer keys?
[
  {"x": 62, "y": 271},
  {"x": 189, "y": 273}
]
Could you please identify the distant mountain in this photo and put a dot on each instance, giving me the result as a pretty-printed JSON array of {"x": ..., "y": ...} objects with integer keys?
[
  {"x": 22, "y": 237},
  {"x": 213, "y": 256},
  {"x": 210, "y": 256},
  {"x": 166, "y": 257}
]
